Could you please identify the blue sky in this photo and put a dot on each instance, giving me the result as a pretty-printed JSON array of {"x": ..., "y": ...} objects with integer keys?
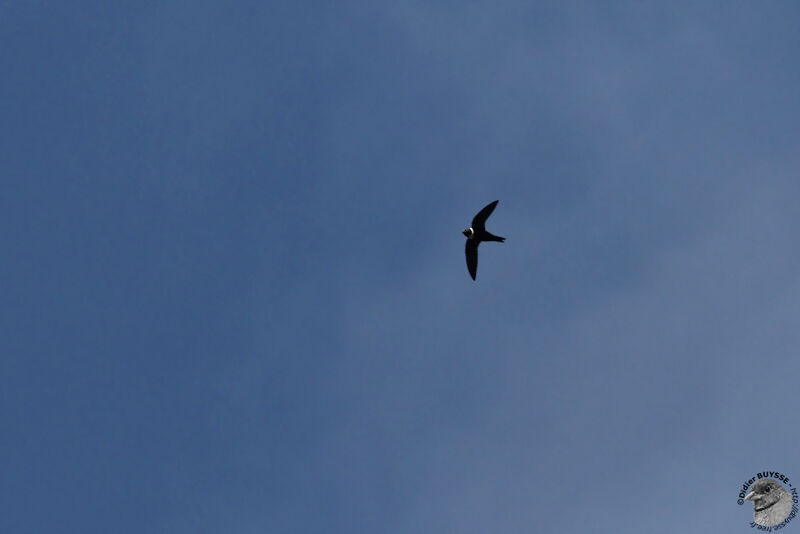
[{"x": 235, "y": 296}]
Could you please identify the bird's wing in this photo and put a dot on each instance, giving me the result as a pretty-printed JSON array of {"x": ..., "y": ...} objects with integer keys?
[
  {"x": 471, "y": 250},
  {"x": 480, "y": 219}
]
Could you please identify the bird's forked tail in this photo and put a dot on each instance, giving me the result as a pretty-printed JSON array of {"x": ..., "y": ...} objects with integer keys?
[{"x": 491, "y": 237}]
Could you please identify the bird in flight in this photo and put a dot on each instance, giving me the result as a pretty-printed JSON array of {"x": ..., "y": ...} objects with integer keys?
[{"x": 477, "y": 233}]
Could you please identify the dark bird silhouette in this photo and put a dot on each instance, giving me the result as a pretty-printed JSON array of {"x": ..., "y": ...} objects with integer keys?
[
  {"x": 771, "y": 502},
  {"x": 476, "y": 234}
]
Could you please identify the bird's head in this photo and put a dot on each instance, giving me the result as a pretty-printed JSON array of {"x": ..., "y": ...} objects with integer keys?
[
  {"x": 765, "y": 493},
  {"x": 469, "y": 232}
]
